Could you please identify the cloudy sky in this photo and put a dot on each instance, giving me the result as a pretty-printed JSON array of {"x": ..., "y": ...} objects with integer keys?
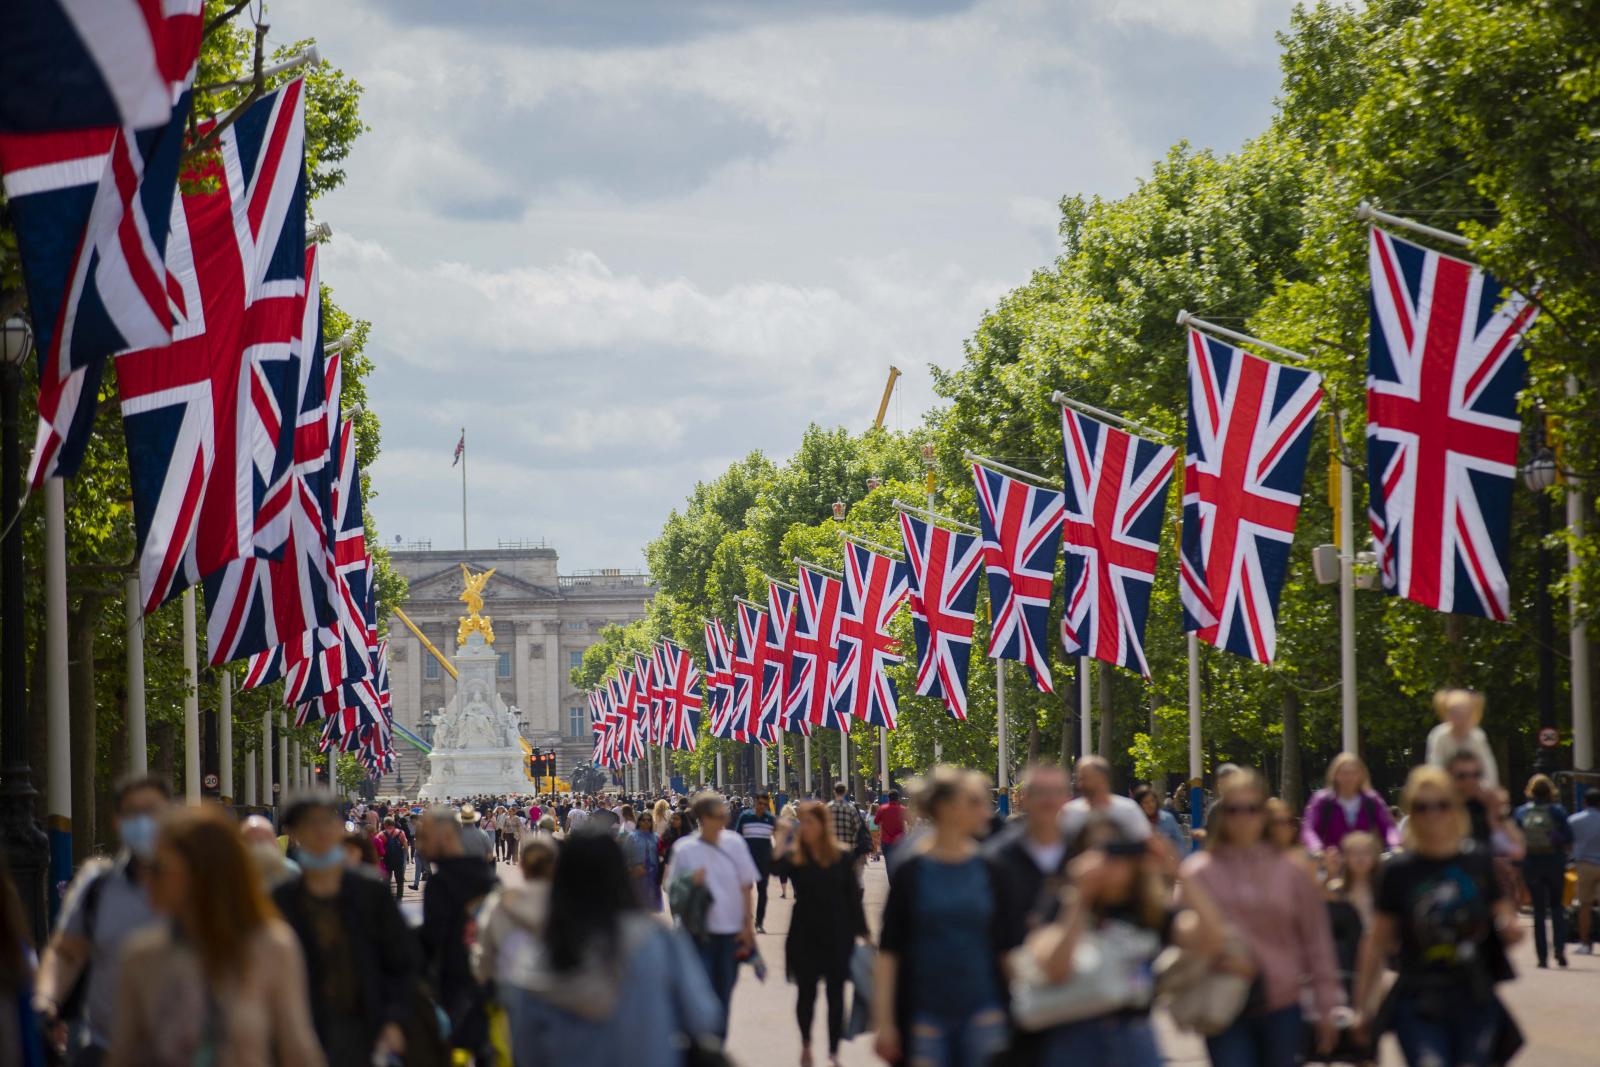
[{"x": 624, "y": 242}]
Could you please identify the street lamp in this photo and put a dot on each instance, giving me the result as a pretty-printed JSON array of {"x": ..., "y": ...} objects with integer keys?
[
  {"x": 1539, "y": 474},
  {"x": 26, "y": 846}
]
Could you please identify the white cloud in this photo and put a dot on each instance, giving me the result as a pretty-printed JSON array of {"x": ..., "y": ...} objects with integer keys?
[{"x": 625, "y": 255}]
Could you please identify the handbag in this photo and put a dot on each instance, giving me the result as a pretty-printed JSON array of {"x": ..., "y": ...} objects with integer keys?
[
  {"x": 862, "y": 958},
  {"x": 1110, "y": 973},
  {"x": 1200, "y": 998}
]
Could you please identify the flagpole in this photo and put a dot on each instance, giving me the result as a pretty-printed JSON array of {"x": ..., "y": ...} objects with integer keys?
[
  {"x": 1001, "y": 776},
  {"x": 58, "y": 737},
  {"x": 1085, "y": 715},
  {"x": 805, "y": 756},
  {"x": 138, "y": 746},
  {"x": 883, "y": 762},
  {"x": 191, "y": 704},
  {"x": 844, "y": 759},
  {"x": 1196, "y": 771},
  {"x": 1347, "y": 606},
  {"x": 463, "y": 488}
]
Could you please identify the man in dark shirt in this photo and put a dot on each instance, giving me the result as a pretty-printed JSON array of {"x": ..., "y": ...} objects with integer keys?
[
  {"x": 361, "y": 956},
  {"x": 1032, "y": 850},
  {"x": 755, "y": 825}
]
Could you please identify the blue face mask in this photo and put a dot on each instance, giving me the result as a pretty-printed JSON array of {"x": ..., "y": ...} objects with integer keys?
[
  {"x": 322, "y": 861},
  {"x": 138, "y": 835}
]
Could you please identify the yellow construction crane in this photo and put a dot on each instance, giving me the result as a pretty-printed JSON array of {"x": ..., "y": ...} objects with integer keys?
[{"x": 888, "y": 391}]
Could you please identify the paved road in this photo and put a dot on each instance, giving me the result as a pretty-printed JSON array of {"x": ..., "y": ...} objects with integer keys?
[{"x": 1558, "y": 1010}]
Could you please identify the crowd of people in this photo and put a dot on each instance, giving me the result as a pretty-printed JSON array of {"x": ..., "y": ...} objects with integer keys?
[{"x": 1044, "y": 936}]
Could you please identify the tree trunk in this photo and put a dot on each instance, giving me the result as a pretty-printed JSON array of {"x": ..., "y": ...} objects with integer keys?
[
  {"x": 1103, "y": 742},
  {"x": 163, "y": 742},
  {"x": 81, "y": 626},
  {"x": 1033, "y": 739},
  {"x": 1069, "y": 719},
  {"x": 1291, "y": 789}
]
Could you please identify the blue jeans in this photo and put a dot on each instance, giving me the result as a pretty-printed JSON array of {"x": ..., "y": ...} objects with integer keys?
[
  {"x": 1126, "y": 1040},
  {"x": 972, "y": 1041},
  {"x": 1270, "y": 1040},
  {"x": 717, "y": 953},
  {"x": 1462, "y": 1037}
]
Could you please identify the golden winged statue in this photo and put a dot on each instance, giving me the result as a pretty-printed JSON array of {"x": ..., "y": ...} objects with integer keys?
[{"x": 472, "y": 597}]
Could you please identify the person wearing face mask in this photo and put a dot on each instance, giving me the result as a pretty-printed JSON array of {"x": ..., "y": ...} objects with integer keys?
[
  {"x": 362, "y": 957},
  {"x": 105, "y": 905},
  {"x": 262, "y": 844}
]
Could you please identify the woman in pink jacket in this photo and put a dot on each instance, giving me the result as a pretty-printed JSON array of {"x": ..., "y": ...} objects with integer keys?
[
  {"x": 1346, "y": 805},
  {"x": 1280, "y": 917}
]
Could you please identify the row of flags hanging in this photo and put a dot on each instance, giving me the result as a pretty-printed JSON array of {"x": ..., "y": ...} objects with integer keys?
[
  {"x": 1445, "y": 365},
  {"x": 243, "y": 467}
]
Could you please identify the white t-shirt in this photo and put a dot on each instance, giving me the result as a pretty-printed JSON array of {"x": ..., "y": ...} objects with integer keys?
[
  {"x": 1123, "y": 812},
  {"x": 729, "y": 870}
]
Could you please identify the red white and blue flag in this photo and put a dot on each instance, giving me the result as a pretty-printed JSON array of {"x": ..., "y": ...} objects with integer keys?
[
  {"x": 1444, "y": 366},
  {"x": 816, "y": 636},
  {"x": 874, "y": 587},
  {"x": 684, "y": 689},
  {"x": 255, "y": 604},
  {"x": 1116, "y": 491},
  {"x": 644, "y": 676},
  {"x": 1021, "y": 526},
  {"x": 780, "y": 638},
  {"x": 210, "y": 418},
  {"x": 92, "y": 111},
  {"x": 1250, "y": 423},
  {"x": 749, "y": 676},
  {"x": 719, "y": 681},
  {"x": 943, "y": 601}
]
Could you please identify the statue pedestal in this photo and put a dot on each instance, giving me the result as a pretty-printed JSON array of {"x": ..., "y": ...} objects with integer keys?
[{"x": 476, "y": 746}]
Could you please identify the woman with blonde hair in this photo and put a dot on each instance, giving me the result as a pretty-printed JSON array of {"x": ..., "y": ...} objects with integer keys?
[
  {"x": 1460, "y": 711},
  {"x": 1441, "y": 915},
  {"x": 1279, "y": 915},
  {"x": 1346, "y": 804},
  {"x": 224, "y": 981}
]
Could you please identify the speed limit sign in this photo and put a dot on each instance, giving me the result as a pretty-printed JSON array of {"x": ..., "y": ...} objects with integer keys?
[
  {"x": 212, "y": 781},
  {"x": 1549, "y": 737}
]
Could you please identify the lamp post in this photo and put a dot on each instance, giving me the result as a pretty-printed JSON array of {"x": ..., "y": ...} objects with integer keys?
[
  {"x": 1539, "y": 474},
  {"x": 26, "y": 847}
]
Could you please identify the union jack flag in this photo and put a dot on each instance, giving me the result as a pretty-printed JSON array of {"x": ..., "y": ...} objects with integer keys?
[
  {"x": 874, "y": 587},
  {"x": 1250, "y": 423},
  {"x": 91, "y": 126},
  {"x": 358, "y": 695},
  {"x": 660, "y": 670},
  {"x": 319, "y": 661},
  {"x": 210, "y": 418},
  {"x": 1021, "y": 526},
  {"x": 1116, "y": 488},
  {"x": 749, "y": 676},
  {"x": 816, "y": 640},
  {"x": 685, "y": 698},
  {"x": 630, "y": 742},
  {"x": 719, "y": 681},
  {"x": 644, "y": 682},
  {"x": 780, "y": 638},
  {"x": 254, "y": 604},
  {"x": 1444, "y": 366},
  {"x": 944, "y": 601}
]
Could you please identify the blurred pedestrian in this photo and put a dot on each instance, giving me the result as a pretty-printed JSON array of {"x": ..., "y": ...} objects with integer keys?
[
  {"x": 938, "y": 991},
  {"x": 224, "y": 980},
  {"x": 1546, "y": 837},
  {"x": 1441, "y": 915}
]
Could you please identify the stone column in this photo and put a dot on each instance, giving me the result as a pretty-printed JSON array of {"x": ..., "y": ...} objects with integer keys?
[
  {"x": 554, "y": 676},
  {"x": 522, "y": 670}
]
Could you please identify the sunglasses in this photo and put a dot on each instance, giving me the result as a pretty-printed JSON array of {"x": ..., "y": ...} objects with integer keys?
[
  {"x": 1241, "y": 809},
  {"x": 1423, "y": 807}
]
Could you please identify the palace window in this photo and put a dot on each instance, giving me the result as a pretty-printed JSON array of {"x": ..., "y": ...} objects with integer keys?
[
  {"x": 575, "y": 722},
  {"x": 575, "y": 658},
  {"x": 430, "y": 667},
  {"x": 502, "y": 667}
]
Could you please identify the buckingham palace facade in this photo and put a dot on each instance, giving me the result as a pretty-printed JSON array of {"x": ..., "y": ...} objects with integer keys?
[{"x": 543, "y": 621}]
